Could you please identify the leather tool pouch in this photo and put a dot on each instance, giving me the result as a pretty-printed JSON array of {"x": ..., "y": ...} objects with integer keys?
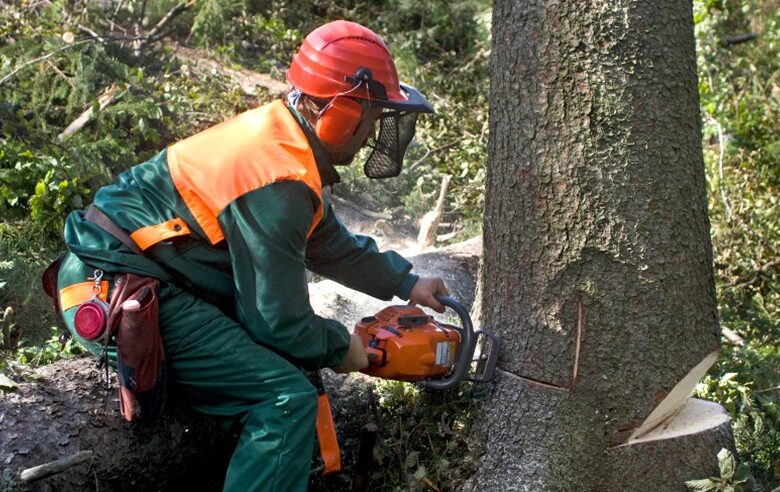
[
  {"x": 133, "y": 321},
  {"x": 49, "y": 281}
]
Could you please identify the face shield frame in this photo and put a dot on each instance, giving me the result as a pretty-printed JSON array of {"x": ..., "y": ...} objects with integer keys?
[{"x": 397, "y": 125}]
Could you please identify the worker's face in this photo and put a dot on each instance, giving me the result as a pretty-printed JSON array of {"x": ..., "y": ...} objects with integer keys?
[{"x": 345, "y": 153}]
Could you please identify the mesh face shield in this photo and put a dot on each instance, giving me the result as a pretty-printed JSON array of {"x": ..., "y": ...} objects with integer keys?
[{"x": 396, "y": 130}]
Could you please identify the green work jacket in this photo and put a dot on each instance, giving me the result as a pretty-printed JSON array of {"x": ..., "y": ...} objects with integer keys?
[{"x": 256, "y": 275}]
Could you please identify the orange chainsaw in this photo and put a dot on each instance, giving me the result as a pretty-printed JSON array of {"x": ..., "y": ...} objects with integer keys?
[{"x": 406, "y": 344}]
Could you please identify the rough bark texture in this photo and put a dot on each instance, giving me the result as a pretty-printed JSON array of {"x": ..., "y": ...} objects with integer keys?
[
  {"x": 64, "y": 408},
  {"x": 597, "y": 269}
]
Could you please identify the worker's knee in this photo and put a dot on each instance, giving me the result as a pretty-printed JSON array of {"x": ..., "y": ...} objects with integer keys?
[{"x": 299, "y": 396}]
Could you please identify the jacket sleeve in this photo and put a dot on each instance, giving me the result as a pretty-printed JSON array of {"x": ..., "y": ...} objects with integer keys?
[
  {"x": 355, "y": 261},
  {"x": 266, "y": 233}
]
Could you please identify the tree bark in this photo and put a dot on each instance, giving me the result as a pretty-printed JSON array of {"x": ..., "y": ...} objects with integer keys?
[{"x": 597, "y": 268}]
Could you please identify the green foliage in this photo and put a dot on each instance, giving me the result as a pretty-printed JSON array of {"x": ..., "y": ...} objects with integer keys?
[
  {"x": 740, "y": 99},
  {"x": 423, "y": 444},
  {"x": 440, "y": 47},
  {"x": 50, "y": 351},
  {"x": 732, "y": 478},
  {"x": 44, "y": 177}
]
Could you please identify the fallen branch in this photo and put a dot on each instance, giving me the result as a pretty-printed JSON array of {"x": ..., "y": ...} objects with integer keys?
[
  {"x": 48, "y": 469},
  {"x": 247, "y": 80},
  {"x": 151, "y": 35},
  {"x": 433, "y": 151},
  {"x": 103, "y": 100},
  {"x": 740, "y": 38},
  {"x": 41, "y": 58}
]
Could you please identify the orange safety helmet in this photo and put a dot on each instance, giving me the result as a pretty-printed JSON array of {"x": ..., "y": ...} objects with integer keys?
[{"x": 351, "y": 65}]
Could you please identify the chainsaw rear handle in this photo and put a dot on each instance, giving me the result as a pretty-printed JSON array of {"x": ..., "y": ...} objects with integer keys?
[{"x": 467, "y": 345}]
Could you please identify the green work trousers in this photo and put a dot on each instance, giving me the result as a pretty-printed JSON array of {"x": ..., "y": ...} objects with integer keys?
[{"x": 222, "y": 371}]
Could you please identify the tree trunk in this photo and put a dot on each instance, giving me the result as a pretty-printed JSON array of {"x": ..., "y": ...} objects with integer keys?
[{"x": 597, "y": 268}]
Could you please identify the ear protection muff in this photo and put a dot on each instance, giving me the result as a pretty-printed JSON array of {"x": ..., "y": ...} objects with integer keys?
[{"x": 338, "y": 121}]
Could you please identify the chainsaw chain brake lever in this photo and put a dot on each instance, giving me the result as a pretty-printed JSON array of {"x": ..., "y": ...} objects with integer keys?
[
  {"x": 466, "y": 351},
  {"x": 488, "y": 357},
  {"x": 486, "y": 364}
]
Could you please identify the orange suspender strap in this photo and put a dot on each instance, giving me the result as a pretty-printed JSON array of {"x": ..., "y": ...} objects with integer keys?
[
  {"x": 143, "y": 238},
  {"x": 76, "y": 294},
  {"x": 326, "y": 434},
  {"x": 148, "y": 236}
]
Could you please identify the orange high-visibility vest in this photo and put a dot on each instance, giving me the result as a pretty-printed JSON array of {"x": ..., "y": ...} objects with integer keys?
[{"x": 256, "y": 148}]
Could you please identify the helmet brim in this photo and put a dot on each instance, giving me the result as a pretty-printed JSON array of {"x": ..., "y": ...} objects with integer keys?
[{"x": 414, "y": 102}]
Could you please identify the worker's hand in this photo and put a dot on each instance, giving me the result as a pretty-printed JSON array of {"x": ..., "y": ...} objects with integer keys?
[
  {"x": 355, "y": 359},
  {"x": 424, "y": 290}
]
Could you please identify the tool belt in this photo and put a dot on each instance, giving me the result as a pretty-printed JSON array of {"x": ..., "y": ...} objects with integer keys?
[{"x": 130, "y": 320}]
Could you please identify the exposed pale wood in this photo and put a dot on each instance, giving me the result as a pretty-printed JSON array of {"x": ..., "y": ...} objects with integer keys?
[
  {"x": 693, "y": 417},
  {"x": 732, "y": 337},
  {"x": 103, "y": 100},
  {"x": 430, "y": 221},
  {"x": 48, "y": 469},
  {"x": 675, "y": 400}
]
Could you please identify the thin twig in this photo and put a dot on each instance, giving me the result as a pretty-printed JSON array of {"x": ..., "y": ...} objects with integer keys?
[
  {"x": 92, "y": 33},
  {"x": 721, "y": 155},
  {"x": 140, "y": 21},
  {"x": 116, "y": 10},
  {"x": 155, "y": 33},
  {"x": 59, "y": 72},
  {"x": 767, "y": 390},
  {"x": 54, "y": 467},
  {"x": 114, "y": 24},
  {"x": 41, "y": 58},
  {"x": 432, "y": 151}
]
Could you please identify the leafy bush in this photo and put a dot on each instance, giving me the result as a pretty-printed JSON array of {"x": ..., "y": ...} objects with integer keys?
[
  {"x": 44, "y": 177},
  {"x": 741, "y": 113}
]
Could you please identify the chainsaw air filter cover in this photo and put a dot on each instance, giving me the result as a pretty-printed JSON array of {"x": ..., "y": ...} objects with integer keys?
[{"x": 405, "y": 344}]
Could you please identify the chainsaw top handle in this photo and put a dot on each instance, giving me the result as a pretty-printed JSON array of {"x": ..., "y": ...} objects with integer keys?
[{"x": 467, "y": 344}]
